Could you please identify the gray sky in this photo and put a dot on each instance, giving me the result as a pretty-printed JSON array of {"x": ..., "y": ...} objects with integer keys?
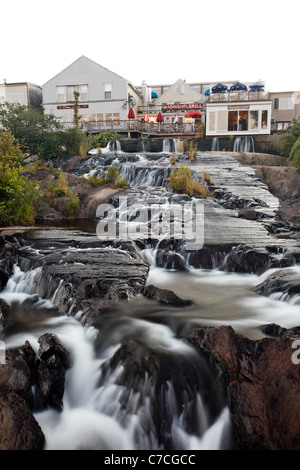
[{"x": 158, "y": 41}]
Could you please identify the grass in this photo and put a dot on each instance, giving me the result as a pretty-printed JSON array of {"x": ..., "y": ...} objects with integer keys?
[{"x": 181, "y": 180}]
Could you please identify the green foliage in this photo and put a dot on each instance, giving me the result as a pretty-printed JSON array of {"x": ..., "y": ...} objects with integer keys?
[
  {"x": 38, "y": 133},
  {"x": 295, "y": 154},
  {"x": 76, "y": 114},
  {"x": 33, "y": 129},
  {"x": 18, "y": 194},
  {"x": 73, "y": 205},
  {"x": 181, "y": 180},
  {"x": 112, "y": 177},
  {"x": 101, "y": 140},
  {"x": 84, "y": 146},
  {"x": 289, "y": 138}
]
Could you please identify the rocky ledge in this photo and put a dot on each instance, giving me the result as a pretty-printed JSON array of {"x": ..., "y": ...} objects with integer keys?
[
  {"x": 30, "y": 382},
  {"x": 260, "y": 379}
]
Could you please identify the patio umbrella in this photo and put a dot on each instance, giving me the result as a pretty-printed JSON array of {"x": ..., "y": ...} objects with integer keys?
[
  {"x": 176, "y": 119},
  {"x": 238, "y": 87},
  {"x": 193, "y": 114},
  {"x": 256, "y": 87},
  {"x": 146, "y": 119},
  {"x": 131, "y": 114},
  {"x": 219, "y": 88},
  {"x": 159, "y": 119}
]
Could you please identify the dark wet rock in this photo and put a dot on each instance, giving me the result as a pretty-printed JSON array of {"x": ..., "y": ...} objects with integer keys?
[
  {"x": 83, "y": 273},
  {"x": 164, "y": 296},
  {"x": 247, "y": 259},
  {"x": 169, "y": 260},
  {"x": 284, "y": 281},
  {"x": 55, "y": 359},
  {"x": 19, "y": 428},
  {"x": 142, "y": 363},
  {"x": 261, "y": 383},
  {"x": 272, "y": 329},
  {"x": 15, "y": 375}
]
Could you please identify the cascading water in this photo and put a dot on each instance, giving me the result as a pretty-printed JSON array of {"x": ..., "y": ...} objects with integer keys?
[
  {"x": 244, "y": 144},
  {"x": 170, "y": 145},
  {"x": 215, "y": 145},
  {"x": 135, "y": 381}
]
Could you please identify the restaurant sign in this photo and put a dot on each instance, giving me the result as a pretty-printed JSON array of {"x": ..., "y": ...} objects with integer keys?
[
  {"x": 181, "y": 107},
  {"x": 71, "y": 106}
]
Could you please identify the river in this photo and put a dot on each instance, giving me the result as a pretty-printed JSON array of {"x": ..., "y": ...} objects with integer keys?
[{"x": 135, "y": 382}]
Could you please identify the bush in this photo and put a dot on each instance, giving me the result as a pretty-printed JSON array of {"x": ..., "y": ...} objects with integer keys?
[
  {"x": 101, "y": 140},
  {"x": 295, "y": 153},
  {"x": 18, "y": 194},
  {"x": 181, "y": 180},
  {"x": 289, "y": 138}
]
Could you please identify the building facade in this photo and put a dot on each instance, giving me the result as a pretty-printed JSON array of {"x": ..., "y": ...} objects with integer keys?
[
  {"x": 23, "y": 93},
  {"x": 285, "y": 108},
  {"x": 104, "y": 97},
  {"x": 238, "y": 114}
]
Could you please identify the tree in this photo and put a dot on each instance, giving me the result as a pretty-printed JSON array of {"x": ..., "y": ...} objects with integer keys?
[
  {"x": 290, "y": 137},
  {"x": 76, "y": 114},
  {"x": 17, "y": 193},
  {"x": 33, "y": 129},
  {"x": 295, "y": 153}
]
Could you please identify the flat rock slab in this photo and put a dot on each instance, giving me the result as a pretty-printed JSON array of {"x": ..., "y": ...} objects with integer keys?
[{"x": 80, "y": 272}]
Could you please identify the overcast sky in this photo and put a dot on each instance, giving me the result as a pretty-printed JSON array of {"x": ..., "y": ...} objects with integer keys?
[{"x": 158, "y": 41}]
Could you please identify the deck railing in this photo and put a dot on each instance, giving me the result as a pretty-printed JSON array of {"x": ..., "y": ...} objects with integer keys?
[
  {"x": 235, "y": 96},
  {"x": 134, "y": 125}
]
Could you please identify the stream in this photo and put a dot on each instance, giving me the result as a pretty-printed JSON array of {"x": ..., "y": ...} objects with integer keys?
[{"x": 135, "y": 382}]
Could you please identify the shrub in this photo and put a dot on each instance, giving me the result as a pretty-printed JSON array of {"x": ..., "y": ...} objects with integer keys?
[
  {"x": 181, "y": 180},
  {"x": 289, "y": 138},
  {"x": 18, "y": 193},
  {"x": 295, "y": 153}
]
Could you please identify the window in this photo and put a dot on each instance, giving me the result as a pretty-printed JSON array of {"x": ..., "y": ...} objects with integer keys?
[
  {"x": 264, "y": 119},
  {"x": 70, "y": 92},
  {"x": 276, "y": 103},
  {"x": 107, "y": 91},
  {"x": 116, "y": 119},
  {"x": 232, "y": 120},
  {"x": 83, "y": 90},
  {"x": 108, "y": 118},
  {"x": 212, "y": 119},
  {"x": 285, "y": 103},
  {"x": 280, "y": 126},
  {"x": 180, "y": 89},
  {"x": 60, "y": 94},
  {"x": 243, "y": 120},
  {"x": 253, "y": 120},
  {"x": 222, "y": 121},
  {"x": 66, "y": 93}
]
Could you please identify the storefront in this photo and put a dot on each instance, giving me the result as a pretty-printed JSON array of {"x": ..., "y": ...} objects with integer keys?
[{"x": 251, "y": 118}]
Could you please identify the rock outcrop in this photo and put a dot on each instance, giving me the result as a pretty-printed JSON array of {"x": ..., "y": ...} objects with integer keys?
[{"x": 261, "y": 382}]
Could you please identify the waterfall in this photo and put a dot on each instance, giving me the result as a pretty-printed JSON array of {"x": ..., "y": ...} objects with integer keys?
[
  {"x": 170, "y": 145},
  {"x": 215, "y": 144},
  {"x": 158, "y": 401},
  {"x": 114, "y": 146},
  {"x": 144, "y": 176},
  {"x": 244, "y": 144}
]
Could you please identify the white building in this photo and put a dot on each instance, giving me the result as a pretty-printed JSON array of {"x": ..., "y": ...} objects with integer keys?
[
  {"x": 104, "y": 96},
  {"x": 239, "y": 113},
  {"x": 23, "y": 93}
]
